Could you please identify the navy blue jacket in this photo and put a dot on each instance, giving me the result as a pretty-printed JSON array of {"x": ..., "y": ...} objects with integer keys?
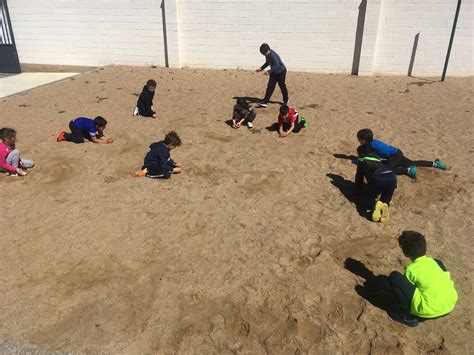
[
  {"x": 158, "y": 158},
  {"x": 145, "y": 102},
  {"x": 275, "y": 63}
]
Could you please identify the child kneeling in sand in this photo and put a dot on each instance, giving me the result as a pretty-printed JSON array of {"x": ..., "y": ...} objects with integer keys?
[
  {"x": 381, "y": 180},
  {"x": 289, "y": 121},
  {"x": 158, "y": 163},
  {"x": 10, "y": 161},
  {"x": 85, "y": 128},
  {"x": 145, "y": 100},
  {"x": 243, "y": 113},
  {"x": 394, "y": 156},
  {"x": 426, "y": 290}
]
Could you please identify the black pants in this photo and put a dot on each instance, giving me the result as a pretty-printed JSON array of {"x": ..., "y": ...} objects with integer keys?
[
  {"x": 249, "y": 118},
  {"x": 298, "y": 126},
  {"x": 280, "y": 79},
  {"x": 77, "y": 135},
  {"x": 156, "y": 173},
  {"x": 399, "y": 163},
  {"x": 404, "y": 289},
  {"x": 383, "y": 185}
]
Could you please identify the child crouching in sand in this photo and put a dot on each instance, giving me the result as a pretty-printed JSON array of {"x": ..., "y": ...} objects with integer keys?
[
  {"x": 243, "y": 113},
  {"x": 10, "y": 161},
  {"x": 426, "y": 289},
  {"x": 289, "y": 121},
  {"x": 158, "y": 163},
  {"x": 85, "y": 128},
  {"x": 381, "y": 181}
]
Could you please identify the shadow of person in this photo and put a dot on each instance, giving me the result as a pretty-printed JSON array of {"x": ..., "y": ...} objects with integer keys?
[
  {"x": 254, "y": 100},
  {"x": 273, "y": 127},
  {"x": 229, "y": 123},
  {"x": 348, "y": 189},
  {"x": 376, "y": 289}
]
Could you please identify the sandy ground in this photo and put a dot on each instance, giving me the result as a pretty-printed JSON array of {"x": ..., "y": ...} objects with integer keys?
[{"x": 245, "y": 251}]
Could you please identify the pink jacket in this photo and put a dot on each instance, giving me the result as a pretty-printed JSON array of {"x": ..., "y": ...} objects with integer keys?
[{"x": 4, "y": 151}]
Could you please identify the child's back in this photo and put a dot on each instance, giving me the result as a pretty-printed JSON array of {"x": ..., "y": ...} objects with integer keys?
[{"x": 435, "y": 294}]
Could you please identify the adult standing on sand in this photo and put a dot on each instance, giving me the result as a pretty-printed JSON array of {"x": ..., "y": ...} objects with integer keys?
[{"x": 277, "y": 74}]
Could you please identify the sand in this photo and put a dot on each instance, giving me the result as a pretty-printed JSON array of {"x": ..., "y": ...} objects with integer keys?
[{"x": 245, "y": 251}]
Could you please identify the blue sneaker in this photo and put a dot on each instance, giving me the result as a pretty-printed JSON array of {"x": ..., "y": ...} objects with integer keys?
[
  {"x": 412, "y": 172},
  {"x": 439, "y": 164}
]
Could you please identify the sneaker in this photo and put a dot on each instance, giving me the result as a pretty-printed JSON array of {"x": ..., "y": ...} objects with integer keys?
[
  {"x": 404, "y": 319},
  {"x": 377, "y": 213},
  {"x": 60, "y": 136},
  {"x": 262, "y": 104},
  {"x": 135, "y": 112},
  {"x": 385, "y": 218},
  {"x": 142, "y": 173},
  {"x": 249, "y": 124},
  {"x": 439, "y": 164},
  {"x": 305, "y": 123},
  {"x": 412, "y": 172},
  {"x": 12, "y": 174}
]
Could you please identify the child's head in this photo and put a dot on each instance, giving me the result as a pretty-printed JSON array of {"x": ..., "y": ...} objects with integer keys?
[
  {"x": 284, "y": 109},
  {"x": 8, "y": 135},
  {"x": 242, "y": 102},
  {"x": 364, "y": 150},
  {"x": 264, "y": 48},
  {"x": 365, "y": 136},
  {"x": 151, "y": 85},
  {"x": 413, "y": 244},
  {"x": 100, "y": 123},
  {"x": 172, "y": 140}
]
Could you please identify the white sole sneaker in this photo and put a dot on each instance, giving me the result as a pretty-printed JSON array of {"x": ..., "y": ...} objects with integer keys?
[
  {"x": 261, "y": 104},
  {"x": 135, "y": 112},
  {"x": 249, "y": 125}
]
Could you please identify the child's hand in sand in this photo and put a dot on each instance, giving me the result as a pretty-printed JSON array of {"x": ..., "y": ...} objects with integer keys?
[
  {"x": 109, "y": 140},
  {"x": 283, "y": 134},
  {"x": 177, "y": 165},
  {"x": 258, "y": 70},
  {"x": 20, "y": 172},
  {"x": 236, "y": 125},
  {"x": 176, "y": 170},
  {"x": 154, "y": 115}
]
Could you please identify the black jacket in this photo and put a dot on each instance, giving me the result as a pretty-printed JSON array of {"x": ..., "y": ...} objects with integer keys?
[
  {"x": 145, "y": 102},
  {"x": 368, "y": 167},
  {"x": 158, "y": 159}
]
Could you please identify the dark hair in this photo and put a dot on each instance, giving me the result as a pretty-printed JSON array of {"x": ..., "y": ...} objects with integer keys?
[
  {"x": 365, "y": 135},
  {"x": 264, "y": 48},
  {"x": 100, "y": 121},
  {"x": 242, "y": 102},
  {"x": 7, "y": 133},
  {"x": 284, "y": 110},
  {"x": 364, "y": 150},
  {"x": 151, "y": 83},
  {"x": 173, "y": 139},
  {"x": 413, "y": 244}
]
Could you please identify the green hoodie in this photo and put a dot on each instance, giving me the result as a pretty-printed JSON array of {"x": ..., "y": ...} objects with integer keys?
[{"x": 435, "y": 294}]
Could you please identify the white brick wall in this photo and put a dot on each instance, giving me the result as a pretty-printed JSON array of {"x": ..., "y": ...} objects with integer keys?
[
  {"x": 400, "y": 21},
  {"x": 310, "y": 35},
  {"x": 89, "y": 32}
]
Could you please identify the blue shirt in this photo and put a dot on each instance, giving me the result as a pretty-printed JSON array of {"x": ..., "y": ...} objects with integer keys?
[
  {"x": 383, "y": 150},
  {"x": 275, "y": 62},
  {"x": 86, "y": 124}
]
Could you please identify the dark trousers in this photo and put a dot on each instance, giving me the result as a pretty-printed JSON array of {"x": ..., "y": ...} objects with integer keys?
[
  {"x": 298, "y": 126},
  {"x": 280, "y": 79},
  {"x": 399, "y": 163},
  {"x": 249, "y": 118},
  {"x": 383, "y": 185},
  {"x": 156, "y": 173},
  {"x": 404, "y": 289},
  {"x": 76, "y": 135}
]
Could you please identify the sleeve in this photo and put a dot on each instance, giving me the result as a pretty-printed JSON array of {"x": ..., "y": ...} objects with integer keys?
[
  {"x": 410, "y": 276},
  {"x": 91, "y": 129},
  {"x": 266, "y": 64},
  {"x": 5, "y": 166},
  {"x": 163, "y": 163},
  {"x": 359, "y": 178}
]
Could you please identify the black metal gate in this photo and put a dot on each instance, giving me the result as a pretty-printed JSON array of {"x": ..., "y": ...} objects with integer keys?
[{"x": 9, "y": 62}]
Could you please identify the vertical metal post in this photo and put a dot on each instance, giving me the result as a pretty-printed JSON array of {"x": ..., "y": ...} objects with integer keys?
[
  {"x": 165, "y": 35},
  {"x": 451, "y": 40}
]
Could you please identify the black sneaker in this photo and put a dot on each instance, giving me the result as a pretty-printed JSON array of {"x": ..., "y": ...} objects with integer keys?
[
  {"x": 262, "y": 104},
  {"x": 404, "y": 319}
]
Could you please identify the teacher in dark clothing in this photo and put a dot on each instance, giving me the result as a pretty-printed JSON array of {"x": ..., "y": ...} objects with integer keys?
[{"x": 277, "y": 74}]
